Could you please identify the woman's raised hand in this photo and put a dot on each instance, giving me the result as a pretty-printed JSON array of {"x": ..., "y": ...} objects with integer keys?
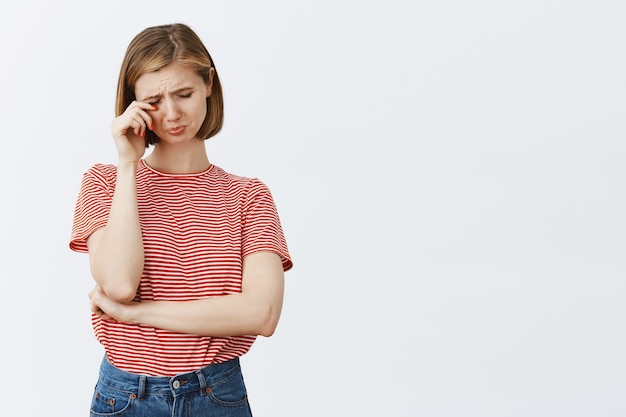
[{"x": 129, "y": 131}]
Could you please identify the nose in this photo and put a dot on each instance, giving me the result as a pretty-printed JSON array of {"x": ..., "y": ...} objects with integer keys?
[{"x": 172, "y": 112}]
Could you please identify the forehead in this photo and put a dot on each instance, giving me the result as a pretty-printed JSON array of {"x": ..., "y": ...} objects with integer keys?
[{"x": 171, "y": 77}]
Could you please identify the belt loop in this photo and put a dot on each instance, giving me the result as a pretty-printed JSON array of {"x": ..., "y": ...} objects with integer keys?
[
  {"x": 142, "y": 387},
  {"x": 202, "y": 381}
]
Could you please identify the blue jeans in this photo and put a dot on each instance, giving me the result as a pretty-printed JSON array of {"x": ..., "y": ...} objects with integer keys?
[{"x": 216, "y": 390}]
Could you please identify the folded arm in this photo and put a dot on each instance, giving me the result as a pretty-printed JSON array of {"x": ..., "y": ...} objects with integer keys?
[{"x": 254, "y": 311}]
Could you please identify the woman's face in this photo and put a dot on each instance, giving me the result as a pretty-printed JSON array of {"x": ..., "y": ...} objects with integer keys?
[{"x": 179, "y": 96}]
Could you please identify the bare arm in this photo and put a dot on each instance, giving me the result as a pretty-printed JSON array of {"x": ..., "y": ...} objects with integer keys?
[
  {"x": 116, "y": 252},
  {"x": 254, "y": 311}
]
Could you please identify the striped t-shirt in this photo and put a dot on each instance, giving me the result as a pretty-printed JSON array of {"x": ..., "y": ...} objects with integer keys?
[{"x": 196, "y": 228}]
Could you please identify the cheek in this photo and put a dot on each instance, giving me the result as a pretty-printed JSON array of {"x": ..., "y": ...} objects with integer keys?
[
  {"x": 156, "y": 117},
  {"x": 202, "y": 109}
]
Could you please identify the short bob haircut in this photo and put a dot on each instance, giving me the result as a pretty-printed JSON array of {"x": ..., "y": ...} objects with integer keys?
[{"x": 157, "y": 47}]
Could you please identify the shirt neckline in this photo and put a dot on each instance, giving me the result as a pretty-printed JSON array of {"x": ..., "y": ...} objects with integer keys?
[{"x": 173, "y": 174}]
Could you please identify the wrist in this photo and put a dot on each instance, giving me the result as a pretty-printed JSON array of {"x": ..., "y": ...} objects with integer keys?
[
  {"x": 132, "y": 312},
  {"x": 127, "y": 165}
]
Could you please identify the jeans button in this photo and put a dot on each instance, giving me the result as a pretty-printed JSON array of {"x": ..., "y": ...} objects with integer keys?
[{"x": 176, "y": 384}]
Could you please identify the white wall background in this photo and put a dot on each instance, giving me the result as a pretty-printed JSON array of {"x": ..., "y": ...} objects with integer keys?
[{"x": 450, "y": 177}]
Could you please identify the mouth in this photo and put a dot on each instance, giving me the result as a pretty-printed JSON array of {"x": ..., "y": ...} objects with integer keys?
[{"x": 175, "y": 131}]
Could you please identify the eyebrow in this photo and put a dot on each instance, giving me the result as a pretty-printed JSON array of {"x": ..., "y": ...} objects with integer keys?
[{"x": 178, "y": 90}]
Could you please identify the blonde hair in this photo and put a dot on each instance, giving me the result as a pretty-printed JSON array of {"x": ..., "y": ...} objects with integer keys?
[{"x": 158, "y": 46}]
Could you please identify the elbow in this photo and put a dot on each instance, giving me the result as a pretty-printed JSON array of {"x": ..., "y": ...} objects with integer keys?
[
  {"x": 267, "y": 326},
  {"x": 119, "y": 286},
  {"x": 267, "y": 330},
  {"x": 120, "y": 294}
]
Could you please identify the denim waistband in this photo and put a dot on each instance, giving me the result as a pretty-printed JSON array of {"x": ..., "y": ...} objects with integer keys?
[{"x": 142, "y": 385}]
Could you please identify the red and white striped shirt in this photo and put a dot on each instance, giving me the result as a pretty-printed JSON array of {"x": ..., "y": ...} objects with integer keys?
[{"x": 196, "y": 228}]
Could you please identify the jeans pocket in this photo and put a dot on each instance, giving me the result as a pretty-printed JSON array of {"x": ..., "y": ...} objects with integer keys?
[
  {"x": 109, "y": 401},
  {"x": 230, "y": 392}
]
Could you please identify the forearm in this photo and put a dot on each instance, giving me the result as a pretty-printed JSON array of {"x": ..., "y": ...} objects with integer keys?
[
  {"x": 230, "y": 315},
  {"x": 117, "y": 257},
  {"x": 253, "y": 311}
]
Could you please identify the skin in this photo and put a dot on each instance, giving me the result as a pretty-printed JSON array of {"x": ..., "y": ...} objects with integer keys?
[{"x": 172, "y": 103}]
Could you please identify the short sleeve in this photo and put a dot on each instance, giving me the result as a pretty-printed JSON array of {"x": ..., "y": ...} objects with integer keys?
[
  {"x": 92, "y": 206},
  {"x": 262, "y": 230}
]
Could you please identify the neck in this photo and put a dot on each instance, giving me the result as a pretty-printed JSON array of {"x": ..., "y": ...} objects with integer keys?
[{"x": 179, "y": 159}]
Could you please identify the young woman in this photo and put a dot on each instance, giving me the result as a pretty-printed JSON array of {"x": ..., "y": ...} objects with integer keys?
[{"x": 188, "y": 259}]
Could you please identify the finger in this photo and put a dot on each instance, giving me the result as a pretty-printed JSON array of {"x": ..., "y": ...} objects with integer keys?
[
  {"x": 95, "y": 290},
  {"x": 142, "y": 108},
  {"x": 139, "y": 105},
  {"x": 144, "y": 127},
  {"x": 96, "y": 310},
  {"x": 105, "y": 316},
  {"x": 138, "y": 111},
  {"x": 146, "y": 119},
  {"x": 136, "y": 124},
  {"x": 93, "y": 304},
  {"x": 142, "y": 105}
]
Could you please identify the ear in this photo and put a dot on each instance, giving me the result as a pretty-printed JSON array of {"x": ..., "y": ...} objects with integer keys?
[{"x": 209, "y": 86}]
